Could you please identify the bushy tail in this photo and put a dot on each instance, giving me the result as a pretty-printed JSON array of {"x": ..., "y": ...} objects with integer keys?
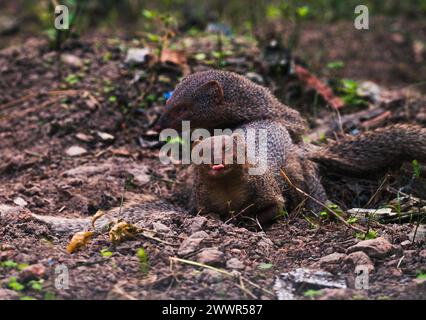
[{"x": 374, "y": 151}]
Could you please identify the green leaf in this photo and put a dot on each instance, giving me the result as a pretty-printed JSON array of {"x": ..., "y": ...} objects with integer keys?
[
  {"x": 153, "y": 37},
  {"x": 324, "y": 214},
  {"x": 27, "y": 298},
  {"x": 352, "y": 220},
  {"x": 312, "y": 293},
  {"x": 200, "y": 56},
  {"x": 15, "y": 285},
  {"x": 273, "y": 12},
  {"x": 148, "y": 14},
  {"x": 106, "y": 253},
  {"x": 371, "y": 234},
  {"x": 335, "y": 64},
  {"x": 8, "y": 264},
  {"x": 72, "y": 79},
  {"x": 36, "y": 284},
  {"x": 112, "y": 99},
  {"x": 22, "y": 266},
  {"x": 49, "y": 296},
  {"x": 416, "y": 168},
  {"x": 302, "y": 11},
  {"x": 265, "y": 266},
  {"x": 143, "y": 260}
]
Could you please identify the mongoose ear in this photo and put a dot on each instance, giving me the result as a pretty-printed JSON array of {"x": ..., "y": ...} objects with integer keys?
[
  {"x": 196, "y": 142},
  {"x": 211, "y": 89}
]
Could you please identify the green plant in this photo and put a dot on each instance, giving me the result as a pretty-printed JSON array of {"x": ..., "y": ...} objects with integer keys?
[
  {"x": 9, "y": 264},
  {"x": 161, "y": 28},
  {"x": 15, "y": 285},
  {"x": 143, "y": 260},
  {"x": 265, "y": 266},
  {"x": 312, "y": 293},
  {"x": 370, "y": 234},
  {"x": 335, "y": 64},
  {"x": 106, "y": 253},
  {"x": 36, "y": 284},
  {"x": 348, "y": 90},
  {"x": 416, "y": 169},
  {"x": 72, "y": 79}
]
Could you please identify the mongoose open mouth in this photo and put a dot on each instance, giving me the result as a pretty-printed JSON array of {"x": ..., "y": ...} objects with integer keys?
[{"x": 218, "y": 170}]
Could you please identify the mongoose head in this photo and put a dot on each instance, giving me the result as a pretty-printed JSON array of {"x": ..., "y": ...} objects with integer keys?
[
  {"x": 223, "y": 157},
  {"x": 196, "y": 98}
]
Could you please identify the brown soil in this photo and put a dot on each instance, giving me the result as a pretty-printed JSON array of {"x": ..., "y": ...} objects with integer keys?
[{"x": 38, "y": 124}]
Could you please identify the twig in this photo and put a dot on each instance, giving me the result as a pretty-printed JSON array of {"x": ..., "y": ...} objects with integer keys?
[
  {"x": 283, "y": 174},
  {"x": 224, "y": 272},
  {"x": 238, "y": 214},
  {"x": 140, "y": 231},
  {"x": 377, "y": 191}
]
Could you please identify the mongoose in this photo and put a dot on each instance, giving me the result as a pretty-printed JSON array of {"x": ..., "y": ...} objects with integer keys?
[
  {"x": 217, "y": 99},
  {"x": 220, "y": 99},
  {"x": 229, "y": 188}
]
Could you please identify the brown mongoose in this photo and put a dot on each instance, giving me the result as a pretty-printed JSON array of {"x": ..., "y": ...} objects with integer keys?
[
  {"x": 217, "y": 99},
  {"x": 228, "y": 188}
]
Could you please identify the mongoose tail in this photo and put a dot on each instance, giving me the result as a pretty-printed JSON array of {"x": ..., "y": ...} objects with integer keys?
[{"x": 374, "y": 151}]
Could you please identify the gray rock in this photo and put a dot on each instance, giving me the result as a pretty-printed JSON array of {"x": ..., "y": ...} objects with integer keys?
[
  {"x": 192, "y": 243},
  {"x": 211, "y": 256},
  {"x": 289, "y": 285},
  {"x": 137, "y": 56},
  {"x": 334, "y": 258},
  {"x": 358, "y": 258},
  {"x": 20, "y": 202},
  {"x": 234, "y": 263},
  {"x": 210, "y": 276},
  {"x": 105, "y": 136},
  {"x": 75, "y": 151},
  {"x": 420, "y": 234},
  {"x": 374, "y": 248},
  {"x": 158, "y": 226},
  {"x": 8, "y": 25},
  {"x": 6, "y": 294},
  {"x": 72, "y": 60},
  {"x": 197, "y": 224}
]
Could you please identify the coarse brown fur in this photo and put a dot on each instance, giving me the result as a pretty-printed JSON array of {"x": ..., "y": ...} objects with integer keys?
[{"x": 219, "y": 99}]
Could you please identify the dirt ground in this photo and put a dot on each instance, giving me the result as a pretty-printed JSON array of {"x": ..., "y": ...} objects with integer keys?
[{"x": 107, "y": 109}]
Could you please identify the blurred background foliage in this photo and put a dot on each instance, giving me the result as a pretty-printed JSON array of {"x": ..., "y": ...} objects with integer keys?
[{"x": 194, "y": 15}]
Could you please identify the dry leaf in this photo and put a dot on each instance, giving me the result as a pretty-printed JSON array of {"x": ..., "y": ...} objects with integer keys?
[
  {"x": 97, "y": 215},
  {"x": 79, "y": 240},
  {"x": 122, "y": 230}
]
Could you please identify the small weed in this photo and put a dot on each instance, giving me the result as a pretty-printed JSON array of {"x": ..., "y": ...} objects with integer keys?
[
  {"x": 312, "y": 293},
  {"x": 265, "y": 266},
  {"x": 106, "y": 253},
  {"x": 72, "y": 79},
  {"x": 15, "y": 285},
  {"x": 143, "y": 261},
  {"x": 416, "y": 169}
]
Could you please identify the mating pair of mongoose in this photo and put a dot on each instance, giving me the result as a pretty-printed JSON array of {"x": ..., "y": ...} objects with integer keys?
[{"x": 218, "y": 100}]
